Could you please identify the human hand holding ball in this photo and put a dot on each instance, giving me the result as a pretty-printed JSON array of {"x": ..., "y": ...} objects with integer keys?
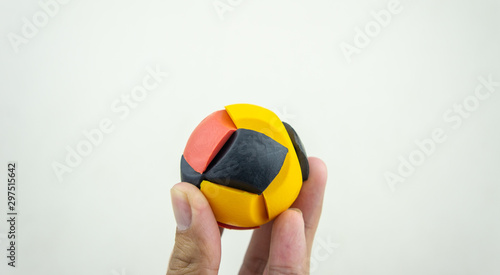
[{"x": 243, "y": 168}]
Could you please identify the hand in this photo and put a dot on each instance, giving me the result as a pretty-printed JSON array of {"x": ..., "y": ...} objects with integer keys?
[{"x": 282, "y": 246}]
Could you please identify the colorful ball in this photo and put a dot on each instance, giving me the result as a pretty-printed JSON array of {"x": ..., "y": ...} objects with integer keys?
[{"x": 247, "y": 162}]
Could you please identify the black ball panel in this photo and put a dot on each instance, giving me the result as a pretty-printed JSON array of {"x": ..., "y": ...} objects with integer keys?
[
  {"x": 188, "y": 174},
  {"x": 300, "y": 150},
  {"x": 248, "y": 161}
]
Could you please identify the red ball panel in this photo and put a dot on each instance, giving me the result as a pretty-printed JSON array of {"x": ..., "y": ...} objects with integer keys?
[{"x": 207, "y": 140}]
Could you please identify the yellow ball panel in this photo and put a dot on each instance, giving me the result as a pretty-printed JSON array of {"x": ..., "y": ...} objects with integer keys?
[
  {"x": 285, "y": 188},
  {"x": 262, "y": 120},
  {"x": 235, "y": 207}
]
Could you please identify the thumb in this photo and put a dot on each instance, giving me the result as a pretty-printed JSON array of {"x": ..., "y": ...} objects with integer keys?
[{"x": 197, "y": 248}]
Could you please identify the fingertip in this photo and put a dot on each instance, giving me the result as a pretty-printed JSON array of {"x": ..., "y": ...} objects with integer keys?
[
  {"x": 290, "y": 221},
  {"x": 202, "y": 214},
  {"x": 296, "y": 210},
  {"x": 318, "y": 164},
  {"x": 318, "y": 171},
  {"x": 196, "y": 198},
  {"x": 184, "y": 187},
  {"x": 288, "y": 244}
]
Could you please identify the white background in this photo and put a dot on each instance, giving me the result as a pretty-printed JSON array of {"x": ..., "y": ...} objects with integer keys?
[{"x": 112, "y": 213}]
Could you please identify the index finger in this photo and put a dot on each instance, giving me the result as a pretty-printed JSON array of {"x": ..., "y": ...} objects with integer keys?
[{"x": 310, "y": 199}]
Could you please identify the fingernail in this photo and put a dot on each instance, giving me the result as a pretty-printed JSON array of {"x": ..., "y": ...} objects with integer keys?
[
  {"x": 182, "y": 209},
  {"x": 297, "y": 210}
]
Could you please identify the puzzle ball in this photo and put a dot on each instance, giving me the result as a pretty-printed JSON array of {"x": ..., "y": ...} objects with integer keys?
[{"x": 247, "y": 162}]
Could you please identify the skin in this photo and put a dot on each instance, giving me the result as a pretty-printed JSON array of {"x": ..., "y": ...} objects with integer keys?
[{"x": 197, "y": 248}]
